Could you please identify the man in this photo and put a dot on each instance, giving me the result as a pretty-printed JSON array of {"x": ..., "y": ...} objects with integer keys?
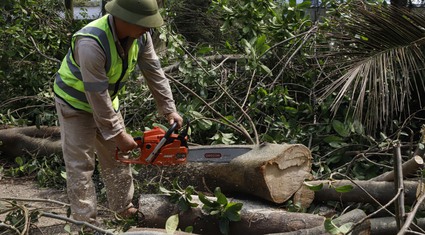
[{"x": 91, "y": 77}]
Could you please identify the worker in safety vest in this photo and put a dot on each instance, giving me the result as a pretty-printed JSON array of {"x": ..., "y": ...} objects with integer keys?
[{"x": 87, "y": 87}]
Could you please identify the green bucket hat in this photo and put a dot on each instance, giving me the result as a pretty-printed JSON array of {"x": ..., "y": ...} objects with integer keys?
[{"x": 139, "y": 12}]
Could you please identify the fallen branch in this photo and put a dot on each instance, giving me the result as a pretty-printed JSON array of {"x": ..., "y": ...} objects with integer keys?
[
  {"x": 373, "y": 192},
  {"x": 353, "y": 216},
  {"x": 411, "y": 215},
  {"x": 409, "y": 167},
  {"x": 256, "y": 218},
  {"x": 398, "y": 184},
  {"x": 33, "y": 141},
  {"x": 388, "y": 225},
  {"x": 76, "y": 222}
]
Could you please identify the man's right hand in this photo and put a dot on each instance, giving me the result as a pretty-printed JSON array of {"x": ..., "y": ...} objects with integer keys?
[{"x": 125, "y": 142}]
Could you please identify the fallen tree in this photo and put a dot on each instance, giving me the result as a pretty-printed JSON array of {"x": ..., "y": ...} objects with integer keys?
[
  {"x": 30, "y": 140},
  {"x": 273, "y": 172},
  {"x": 256, "y": 218}
]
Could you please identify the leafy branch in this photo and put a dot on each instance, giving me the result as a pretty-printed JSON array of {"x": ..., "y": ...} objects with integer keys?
[{"x": 219, "y": 207}]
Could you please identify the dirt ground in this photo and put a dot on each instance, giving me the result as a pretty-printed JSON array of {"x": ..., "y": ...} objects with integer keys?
[{"x": 26, "y": 188}]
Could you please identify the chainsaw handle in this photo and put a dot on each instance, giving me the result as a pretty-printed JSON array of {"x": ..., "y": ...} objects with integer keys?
[
  {"x": 170, "y": 130},
  {"x": 161, "y": 143}
]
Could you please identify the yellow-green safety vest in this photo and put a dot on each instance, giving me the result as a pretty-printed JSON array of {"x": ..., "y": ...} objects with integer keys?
[{"x": 69, "y": 84}]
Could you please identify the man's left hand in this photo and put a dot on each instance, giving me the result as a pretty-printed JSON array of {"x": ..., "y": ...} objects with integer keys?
[{"x": 175, "y": 117}]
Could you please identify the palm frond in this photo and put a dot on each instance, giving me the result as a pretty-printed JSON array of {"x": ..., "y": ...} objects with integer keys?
[{"x": 380, "y": 50}]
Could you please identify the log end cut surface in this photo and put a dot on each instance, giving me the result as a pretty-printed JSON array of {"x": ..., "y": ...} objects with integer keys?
[{"x": 284, "y": 174}]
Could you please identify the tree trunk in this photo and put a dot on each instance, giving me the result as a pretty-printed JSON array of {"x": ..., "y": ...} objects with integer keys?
[
  {"x": 353, "y": 216},
  {"x": 273, "y": 172},
  {"x": 69, "y": 9},
  {"x": 256, "y": 218},
  {"x": 31, "y": 140},
  {"x": 381, "y": 191}
]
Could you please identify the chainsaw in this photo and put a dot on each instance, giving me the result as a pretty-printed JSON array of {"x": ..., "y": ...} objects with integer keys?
[{"x": 158, "y": 147}]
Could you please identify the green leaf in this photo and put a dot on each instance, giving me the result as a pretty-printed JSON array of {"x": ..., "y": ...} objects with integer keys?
[
  {"x": 204, "y": 199},
  {"x": 19, "y": 161},
  {"x": 204, "y": 50},
  {"x": 67, "y": 228},
  {"x": 333, "y": 139},
  {"x": 304, "y": 5},
  {"x": 224, "y": 226},
  {"x": 344, "y": 189},
  {"x": 331, "y": 227},
  {"x": 342, "y": 129},
  {"x": 314, "y": 187},
  {"x": 266, "y": 69},
  {"x": 172, "y": 223},
  {"x": 346, "y": 227},
  {"x": 164, "y": 190},
  {"x": 183, "y": 205},
  {"x": 189, "y": 229},
  {"x": 215, "y": 212},
  {"x": 221, "y": 198}
]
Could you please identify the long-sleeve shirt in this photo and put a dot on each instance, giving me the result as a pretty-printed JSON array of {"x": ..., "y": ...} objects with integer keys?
[{"x": 92, "y": 59}]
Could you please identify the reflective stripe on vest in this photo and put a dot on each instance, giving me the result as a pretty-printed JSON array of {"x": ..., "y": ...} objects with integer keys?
[{"x": 69, "y": 84}]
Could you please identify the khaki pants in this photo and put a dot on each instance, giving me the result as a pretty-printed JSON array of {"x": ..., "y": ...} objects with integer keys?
[{"x": 81, "y": 140}]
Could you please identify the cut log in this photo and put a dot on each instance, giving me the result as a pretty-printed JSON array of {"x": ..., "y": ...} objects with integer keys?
[
  {"x": 412, "y": 166},
  {"x": 152, "y": 231},
  {"x": 273, "y": 172},
  {"x": 304, "y": 196},
  {"x": 388, "y": 226},
  {"x": 353, "y": 216},
  {"x": 22, "y": 141},
  {"x": 256, "y": 218},
  {"x": 382, "y": 191}
]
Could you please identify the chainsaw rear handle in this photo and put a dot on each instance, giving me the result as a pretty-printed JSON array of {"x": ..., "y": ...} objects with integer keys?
[
  {"x": 170, "y": 130},
  {"x": 161, "y": 143}
]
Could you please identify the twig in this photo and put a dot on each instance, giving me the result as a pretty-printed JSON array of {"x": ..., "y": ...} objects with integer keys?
[
  {"x": 411, "y": 215},
  {"x": 81, "y": 223},
  {"x": 233, "y": 100},
  {"x": 41, "y": 53},
  {"x": 376, "y": 212},
  {"x": 34, "y": 200},
  {"x": 398, "y": 173},
  {"x": 10, "y": 227},
  {"x": 24, "y": 210},
  {"x": 239, "y": 128}
]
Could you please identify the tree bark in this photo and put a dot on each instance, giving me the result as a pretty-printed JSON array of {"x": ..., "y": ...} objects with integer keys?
[
  {"x": 256, "y": 218},
  {"x": 152, "y": 231},
  {"x": 273, "y": 172},
  {"x": 21, "y": 141},
  {"x": 388, "y": 225},
  {"x": 304, "y": 196},
  {"x": 69, "y": 9},
  {"x": 353, "y": 216},
  {"x": 381, "y": 191},
  {"x": 409, "y": 167}
]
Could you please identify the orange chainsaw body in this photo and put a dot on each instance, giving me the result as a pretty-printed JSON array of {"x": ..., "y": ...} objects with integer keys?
[{"x": 171, "y": 153}]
